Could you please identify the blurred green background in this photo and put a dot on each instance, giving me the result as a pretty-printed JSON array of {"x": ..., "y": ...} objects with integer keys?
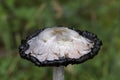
[{"x": 18, "y": 18}]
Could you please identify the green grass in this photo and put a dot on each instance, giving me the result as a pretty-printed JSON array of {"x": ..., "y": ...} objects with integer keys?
[{"x": 18, "y": 18}]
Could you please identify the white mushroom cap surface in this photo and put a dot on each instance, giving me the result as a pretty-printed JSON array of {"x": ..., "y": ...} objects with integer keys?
[{"x": 54, "y": 43}]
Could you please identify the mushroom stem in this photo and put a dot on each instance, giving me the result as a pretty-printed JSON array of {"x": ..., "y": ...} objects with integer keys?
[{"x": 58, "y": 73}]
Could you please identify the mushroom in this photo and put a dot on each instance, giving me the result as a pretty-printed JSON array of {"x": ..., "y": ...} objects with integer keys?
[{"x": 59, "y": 46}]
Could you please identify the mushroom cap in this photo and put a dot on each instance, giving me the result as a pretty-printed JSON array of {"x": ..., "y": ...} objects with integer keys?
[{"x": 59, "y": 46}]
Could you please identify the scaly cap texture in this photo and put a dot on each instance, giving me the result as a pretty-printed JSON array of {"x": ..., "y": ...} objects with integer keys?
[{"x": 59, "y": 46}]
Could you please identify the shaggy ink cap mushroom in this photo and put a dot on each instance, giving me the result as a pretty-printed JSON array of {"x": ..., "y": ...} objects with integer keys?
[{"x": 59, "y": 46}]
